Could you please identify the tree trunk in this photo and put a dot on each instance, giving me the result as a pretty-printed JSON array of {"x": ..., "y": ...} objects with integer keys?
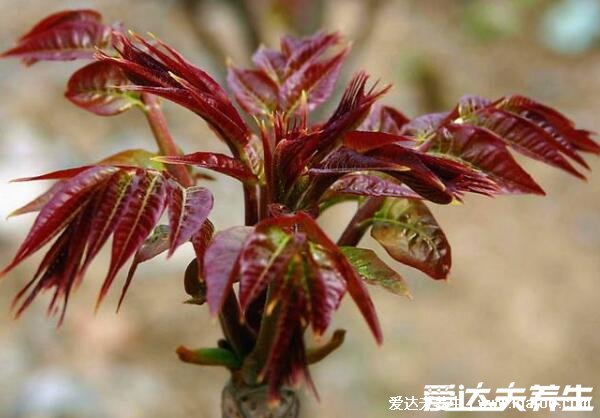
[{"x": 251, "y": 402}]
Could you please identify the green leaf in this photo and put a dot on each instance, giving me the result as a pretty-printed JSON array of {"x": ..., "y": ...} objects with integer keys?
[
  {"x": 410, "y": 234},
  {"x": 97, "y": 89},
  {"x": 134, "y": 158},
  {"x": 374, "y": 270}
]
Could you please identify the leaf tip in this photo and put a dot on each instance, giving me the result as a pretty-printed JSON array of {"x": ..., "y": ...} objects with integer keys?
[{"x": 184, "y": 354}]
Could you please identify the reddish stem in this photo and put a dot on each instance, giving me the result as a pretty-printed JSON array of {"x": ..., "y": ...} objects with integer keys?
[
  {"x": 357, "y": 226},
  {"x": 164, "y": 140}
]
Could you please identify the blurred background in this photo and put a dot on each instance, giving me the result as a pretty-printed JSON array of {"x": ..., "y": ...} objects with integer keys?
[{"x": 522, "y": 301}]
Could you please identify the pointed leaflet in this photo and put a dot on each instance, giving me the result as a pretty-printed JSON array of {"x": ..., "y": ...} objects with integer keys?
[
  {"x": 364, "y": 141},
  {"x": 52, "y": 261},
  {"x": 435, "y": 177},
  {"x": 58, "y": 18},
  {"x": 353, "y": 108},
  {"x": 524, "y": 136},
  {"x": 129, "y": 158},
  {"x": 459, "y": 177},
  {"x": 96, "y": 88},
  {"x": 194, "y": 281},
  {"x": 188, "y": 209},
  {"x": 220, "y": 264},
  {"x": 302, "y": 51},
  {"x": 316, "y": 80},
  {"x": 486, "y": 152},
  {"x": 271, "y": 62},
  {"x": 285, "y": 346},
  {"x": 63, "y": 36},
  {"x": 60, "y": 210},
  {"x": 346, "y": 160},
  {"x": 410, "y": 234},
  {"x": 385, "y": 119},
  {"x": 124, "y": 159},
  {"x": 254, "y": 90},
  {"x": 372, "y": 184},
  {"x": 355, "y": 287},
  {"x": 423, "y": 126},
  {"x": 58, "y": 268},
  {"x": 293, "y": 155},
  {"x": 107, "y": 212},
  {"x": 265, "y": 257},
  {"x": 157, "y": 243},
  {"x": 556, "y": 124},
  {"x": 218, "y": 162},
  {"x": 55, "y": 175},
  {"x": 201, "y": 240},
  {"x": 37, "y": 203},
  {"x": 326, "y": 285},
  {"x": 141, "y": 214},
  {"x": 158, "y": 69},
  {"x": 374, "y": 271},
  {"x": 402, "y": 163}
]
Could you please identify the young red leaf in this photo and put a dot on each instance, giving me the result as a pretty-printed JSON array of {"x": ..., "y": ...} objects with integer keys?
[
  {"x": 301, "y": 51},
  {"x": 364, "y": 141},
  {"x": 459, "y": 177},
  {"x": 434, "y": 177},
  {"x": 139, "y": 217},
  {"x": 55, "y": 175},
  {"x": 59, "y": 267},
  {"x": 410, "y": 234},
  {"x": 402, "y": 163},
  {"x": 371, "y": 184},
  {"x": 36, "y": 204},
  {"x": 316, "y": 80},
  {"x": 255, "y": 91},
  {"x": 556, "y": 124},
  {"x": 159, "y": 69},
  {"x": 354, "y": 285},
  {"x": 524, "y": 136},
  {"x": 113, "y": 199},
  {"x": 486, "y": 152},
  {"x": 326, "y": 285},
  {"x": 423, "y": 126},
  {"x": 353, "y": 108},
  {"x": 287, "y": 347},
  {"x": 385, "y": 119},
  {"x": 346, "y": 160},
  {"x": 58, "y": 18},
  {"x": 96, "y": 88},
  {"x": 265, "y": 257},
  {"x": 188, "y": 209},
  {"x": 60, "y": 210},
  {"x": 124, "y": 159},
  {"x": 64, "y": 36},
  {"x": 218, "y": 162},
  {"x": 220, "y": 264},
  {"x": 194, "y": 281},
  {"x": 270, "y": 62},
  {"x": 201, "y": 241}
]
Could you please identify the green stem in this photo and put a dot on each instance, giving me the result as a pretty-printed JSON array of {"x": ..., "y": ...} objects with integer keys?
[
  {"x": 164, "y": 140},
  {"x": 209, "y": 357}
]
